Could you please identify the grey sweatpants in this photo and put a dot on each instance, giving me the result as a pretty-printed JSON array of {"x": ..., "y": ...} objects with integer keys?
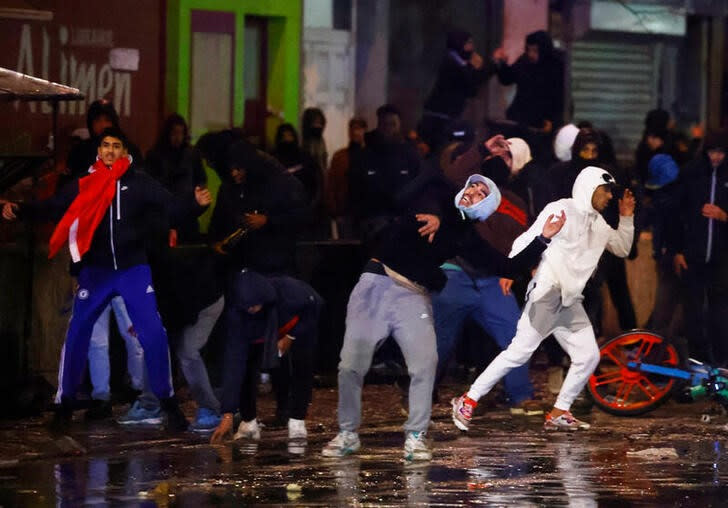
[{"x": 377, "y": 308}]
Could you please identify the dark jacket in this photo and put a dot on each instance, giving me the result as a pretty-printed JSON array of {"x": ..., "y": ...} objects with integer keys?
[
  {"x": 273, "y": 193},
  {"x": 457, "y": 81},
  {"x": 540, "y": 85},
  {"x": 119, "y": 240},
  {"x": 406, "y": 252},
  {"x": 285, "y": 300},
  {"x": 694, "y": 187},
  {"x": 378, "y": 175}
]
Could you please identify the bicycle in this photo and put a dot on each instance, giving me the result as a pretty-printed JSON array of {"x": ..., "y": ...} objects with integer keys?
[{"x": 639, "y": 371}]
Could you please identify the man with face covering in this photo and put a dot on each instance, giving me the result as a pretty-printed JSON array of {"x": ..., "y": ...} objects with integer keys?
[
  {"x": 392, "y": 297},
  {"x": 554, "y": 295},
  {"x": 539, "y": 77},
  {"x": 461, "y": 73}
]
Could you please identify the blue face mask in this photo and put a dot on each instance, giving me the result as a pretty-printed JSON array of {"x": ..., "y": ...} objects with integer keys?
[{"x": 483, "y": 209}]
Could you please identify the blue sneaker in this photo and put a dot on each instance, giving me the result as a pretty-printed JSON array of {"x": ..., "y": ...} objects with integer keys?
[
  {"x": 206, "y": 420},
  {"x": 138, "y": 415}
]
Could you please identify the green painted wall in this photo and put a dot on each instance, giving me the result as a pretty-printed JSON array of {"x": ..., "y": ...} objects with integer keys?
[{"x": 284, "y": 53}]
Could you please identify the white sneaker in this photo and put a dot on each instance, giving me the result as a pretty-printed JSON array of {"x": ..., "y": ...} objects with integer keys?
[
  {"x": 415, "y": 447},
  {"x": 248, "y": 430},
  {"x": 297, "y": 429},
  {"x": 345, "y": 443}
]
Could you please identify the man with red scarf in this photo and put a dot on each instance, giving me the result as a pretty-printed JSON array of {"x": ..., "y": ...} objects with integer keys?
[{"x": 103, "y": 219}]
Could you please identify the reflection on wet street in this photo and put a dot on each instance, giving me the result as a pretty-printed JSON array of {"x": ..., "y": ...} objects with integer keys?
[{"x": 669, "y": 457}]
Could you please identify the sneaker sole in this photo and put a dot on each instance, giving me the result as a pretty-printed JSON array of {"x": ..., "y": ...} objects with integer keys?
[
  {"x": 339, "y": 454},
  {"x": 460, "y": 425},
  {"x": 146, "y": 421},
  {"x": 417, "y": 456}
]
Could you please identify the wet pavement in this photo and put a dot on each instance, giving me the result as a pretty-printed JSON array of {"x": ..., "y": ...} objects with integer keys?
[{"x": 670, "y": 457}]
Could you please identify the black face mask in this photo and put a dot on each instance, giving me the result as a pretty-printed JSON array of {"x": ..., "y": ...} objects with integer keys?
[
  {"x": 316, "y": 132},
  {"x": 466, "y": 55}
]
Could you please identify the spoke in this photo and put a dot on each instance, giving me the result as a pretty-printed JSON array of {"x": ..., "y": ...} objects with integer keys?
[
  {"x": 614, "y": 358},
  {"x": 653, "y": 390},
  {"x": 618, "y": 395},
  {"x": 627, "y": 391},
  {"x": 650, "y": 344},
  {"x": 607, "y": 378}
]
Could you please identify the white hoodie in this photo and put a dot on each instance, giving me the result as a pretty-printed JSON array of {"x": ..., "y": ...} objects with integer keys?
[{"x": 574, "y": 252}]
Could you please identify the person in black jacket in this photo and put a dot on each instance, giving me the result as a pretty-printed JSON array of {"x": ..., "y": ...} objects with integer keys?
[
  {"x": 387, "y": 164},
  {"x": 104, "y": 214},
  {"x": 392, "y": 297},
  {"x": 258, "y": 212},
  {"x": 298, "y": 163},
  {"x": 700, "y": 248},
  {"x": 539, "y": 77},
  {"x": 178, "y": 167},
  {"x": 461, "y": 73},
  {"x": 272, "y": 324}
]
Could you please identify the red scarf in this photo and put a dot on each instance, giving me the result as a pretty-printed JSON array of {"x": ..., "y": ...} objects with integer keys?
[{"x": 95, "y": 194}]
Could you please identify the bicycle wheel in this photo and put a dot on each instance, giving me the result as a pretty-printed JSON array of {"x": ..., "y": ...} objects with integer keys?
[{"x": 625, "y": 392}]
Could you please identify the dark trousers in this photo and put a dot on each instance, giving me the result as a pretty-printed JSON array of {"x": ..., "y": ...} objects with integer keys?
[
  {"x": 249, "y": 388},
  {"x": 293, "y": 381}
]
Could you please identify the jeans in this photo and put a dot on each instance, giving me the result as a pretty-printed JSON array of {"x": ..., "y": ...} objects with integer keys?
[
  {"x": 497, "y": 314},
  {"x": 194, "y": 337}
]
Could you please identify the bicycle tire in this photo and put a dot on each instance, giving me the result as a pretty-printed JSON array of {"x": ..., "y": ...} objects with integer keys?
[{"x": 620, "y": 391}]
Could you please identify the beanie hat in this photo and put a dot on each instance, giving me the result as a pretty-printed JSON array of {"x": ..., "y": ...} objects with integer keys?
[
  {"x": 662, "y": 170},
  {"x": 564, "y": 141},
  {"x": 520, "y": 152}
]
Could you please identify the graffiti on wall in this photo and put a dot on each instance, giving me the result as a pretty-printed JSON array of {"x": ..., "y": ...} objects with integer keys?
[{"x": 92, "y": 77}]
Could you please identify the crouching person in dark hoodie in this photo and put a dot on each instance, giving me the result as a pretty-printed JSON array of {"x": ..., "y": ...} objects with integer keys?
[
  {"x": 102, "y": 220},
  {"x": 393, "y": 297},
  {"x": 271, "y": 324}
]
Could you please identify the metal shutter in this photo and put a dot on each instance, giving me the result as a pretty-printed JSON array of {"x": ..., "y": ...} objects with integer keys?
[{"x": 613, "y": 86}]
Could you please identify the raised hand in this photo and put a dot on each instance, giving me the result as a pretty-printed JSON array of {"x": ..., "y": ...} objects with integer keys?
[
  {"x": 553, "y": 225},
  {"x": 626, "y": 204}
]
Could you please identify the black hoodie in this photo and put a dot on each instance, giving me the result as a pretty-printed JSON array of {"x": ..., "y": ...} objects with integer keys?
[
  {"x": 540, "y": 92},
  {"x": 267, "y": 190}
]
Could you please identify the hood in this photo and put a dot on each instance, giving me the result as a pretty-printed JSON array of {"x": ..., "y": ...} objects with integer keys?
[
  {"x": 251, "y": 288},
  {"x": 243, "y": 155},
  {"x": 564, "y": 141},
  {"x": 586, "y": 183},
  {"x": 545, "y": 45},
  {"x": 583, "y": 138},
  {"x": 482, "y": 210},
  {"x": 520, "y": 152}
]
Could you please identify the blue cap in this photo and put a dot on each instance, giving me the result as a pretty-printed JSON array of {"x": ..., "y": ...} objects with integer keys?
[{"x": 662, "y": 170}]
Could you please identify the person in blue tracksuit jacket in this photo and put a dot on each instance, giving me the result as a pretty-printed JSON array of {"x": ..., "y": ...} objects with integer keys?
[{"x": 114, "y": 264}]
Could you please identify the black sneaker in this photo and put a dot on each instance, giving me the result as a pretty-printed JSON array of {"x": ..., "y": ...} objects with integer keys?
[
  {"x": 99, "y": 410},
  {"x": 176, "y": 421}
]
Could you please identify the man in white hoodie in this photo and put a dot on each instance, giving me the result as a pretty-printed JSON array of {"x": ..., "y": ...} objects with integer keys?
[{"x": 554, "y": 296}]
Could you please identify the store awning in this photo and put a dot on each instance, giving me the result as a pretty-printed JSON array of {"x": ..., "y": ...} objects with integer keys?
[{"x": 16, "y": 86}]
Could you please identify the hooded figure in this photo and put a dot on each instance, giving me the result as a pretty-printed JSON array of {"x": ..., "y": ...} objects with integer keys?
[
  {"x": 457, "y": 80},
  {"x": 483, "y": 209},
  {"x": 265, "y": 201},
  {"x": 574, "y": 253},
  {"x": 297, "y": 162},
  {"x": 540, "y": 84}
]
